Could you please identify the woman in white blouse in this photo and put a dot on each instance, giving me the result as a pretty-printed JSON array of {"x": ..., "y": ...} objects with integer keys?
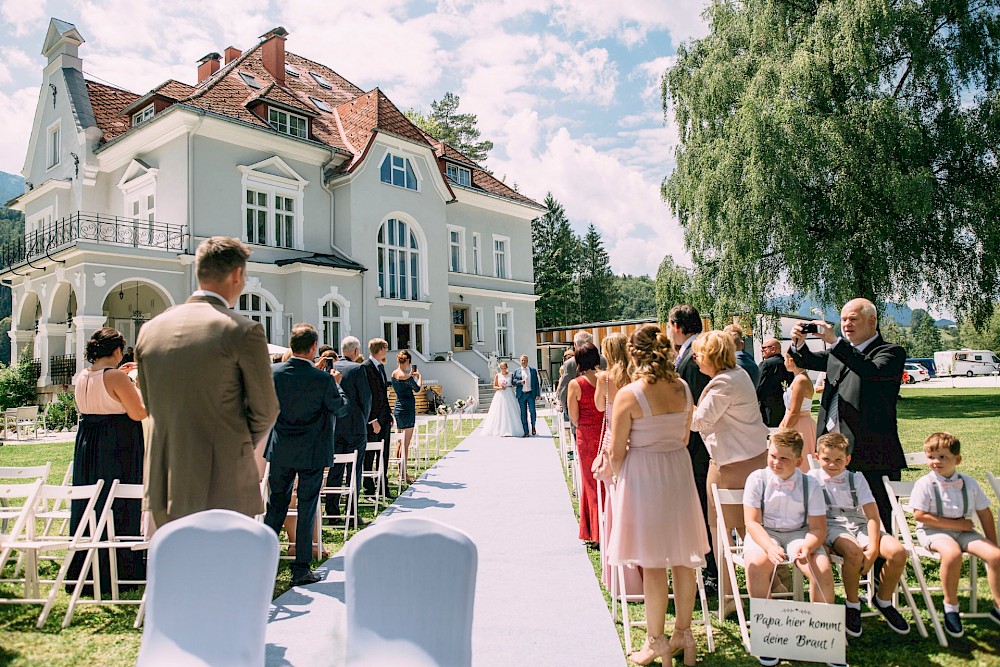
[{"x": 728, "y": 418}]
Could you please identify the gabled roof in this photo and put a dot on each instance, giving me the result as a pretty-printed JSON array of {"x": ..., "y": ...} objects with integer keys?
[
  {"x": 355, "y": 117},
  {"x": 106, "y": 101}
]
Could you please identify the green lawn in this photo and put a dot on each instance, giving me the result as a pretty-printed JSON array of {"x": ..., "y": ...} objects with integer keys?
[
  {"x": 101, "y": 635},
  {"x": 973, "y": 415}
]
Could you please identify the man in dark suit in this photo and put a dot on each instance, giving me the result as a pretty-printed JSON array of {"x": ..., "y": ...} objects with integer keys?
[
  {"x": 526, "y": 390},
  {"x": 380, "y": 417},
  {"x": 773, "y": 378},
  {"x": 352, "y": 430},
  {"x": 302, "y": 442},
  {"x": 863, "y": 373},
  {"x": 743, "y": 360},
  {"x": 683, "y": 327}
]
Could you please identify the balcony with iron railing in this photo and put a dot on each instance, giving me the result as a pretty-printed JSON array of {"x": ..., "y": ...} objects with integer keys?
[
  {"x": 109, "y": 230},
  {"x": 62, "y": 368}
]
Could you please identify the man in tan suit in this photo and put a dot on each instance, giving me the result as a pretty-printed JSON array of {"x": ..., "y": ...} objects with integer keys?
[{"x": 205, "y": 375}]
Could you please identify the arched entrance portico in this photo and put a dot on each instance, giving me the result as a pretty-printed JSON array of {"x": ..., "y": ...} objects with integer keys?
[{"x": 131, "y": 303}]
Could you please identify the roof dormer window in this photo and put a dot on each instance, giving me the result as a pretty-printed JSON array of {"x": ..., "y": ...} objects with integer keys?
[
  {"x": 250, "y": 80},
  {"x": 459, "y": 175},
  {"x": 142, "y": 116},
  {"x": 288, "y": 123},
  {"x": 291, "y": 70},
  {"x": 320, "y": 80},
  {"x": 396, "y": 170},
  {"x": 321, "y": 105}
]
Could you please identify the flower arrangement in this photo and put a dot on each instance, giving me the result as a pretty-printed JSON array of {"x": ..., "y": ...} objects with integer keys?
[
  {"x": 460, "y": 405},
  {"x": 444, "y": 410}
]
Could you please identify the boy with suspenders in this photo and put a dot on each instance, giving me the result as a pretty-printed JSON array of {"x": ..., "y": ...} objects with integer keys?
[
  {"x": 854, "y": 532},
  {"x": 785, "y": 519},
  {"x": 943, "y": 502}
]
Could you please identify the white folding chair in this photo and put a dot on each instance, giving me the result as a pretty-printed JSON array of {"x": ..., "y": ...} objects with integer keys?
[
  {"x": 15, "y": 500},
  {"x": 25, "y": 419},
  {"x": 409, "y": 595},
  {"x": 8, "y": 513},
  {"x": 899, "y": 494},
  {"x": 59, "y": 511},
  {"x": 375, "y": 474},
  {"x": 194, "y": 581},
  {"x": 24, "y": 539},
  {"x": 109, "y": 541},
  {"x": 733, "y": 556},
  {"x": 397, "y": 459},
  {"x": 348, "y": 488}
]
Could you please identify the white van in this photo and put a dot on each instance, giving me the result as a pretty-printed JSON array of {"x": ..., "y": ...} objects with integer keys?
[{"x": 966, "y": 362}]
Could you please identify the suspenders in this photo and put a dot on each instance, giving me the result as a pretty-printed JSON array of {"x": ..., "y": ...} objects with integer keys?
[
  {"x": 854, "y": 492},
  {"x": 965, "y": 497},
  {"x": 805, "y": 500}
]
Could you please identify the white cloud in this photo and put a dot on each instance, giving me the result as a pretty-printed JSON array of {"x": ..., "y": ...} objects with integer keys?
[
  {"x": 12, "y": 59},
  {"x": 23, "y": 15},
  {"x": 18, "y": 104}
]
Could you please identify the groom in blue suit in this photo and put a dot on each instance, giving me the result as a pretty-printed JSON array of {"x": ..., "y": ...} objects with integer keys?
[{"x": 526, "y": 390}]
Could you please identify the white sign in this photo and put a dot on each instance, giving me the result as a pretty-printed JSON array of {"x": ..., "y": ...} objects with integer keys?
[{"x": 808, "y": 631}]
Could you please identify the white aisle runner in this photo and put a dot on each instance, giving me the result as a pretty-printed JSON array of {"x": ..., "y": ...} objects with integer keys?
[{"x": 537, "y": 599}]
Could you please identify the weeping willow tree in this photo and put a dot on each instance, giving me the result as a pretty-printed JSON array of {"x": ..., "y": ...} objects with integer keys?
[{"x": 841, "y": 148}]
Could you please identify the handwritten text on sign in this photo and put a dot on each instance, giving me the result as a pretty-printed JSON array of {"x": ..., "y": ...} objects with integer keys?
[{"x": 797, "y": 630}]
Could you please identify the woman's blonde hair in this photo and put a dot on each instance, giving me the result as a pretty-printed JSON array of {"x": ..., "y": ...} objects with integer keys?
[
  {"x": 717, "y": 349},
  {"x": 652, "y": 355},
  {"x": 615, "y": 350}
]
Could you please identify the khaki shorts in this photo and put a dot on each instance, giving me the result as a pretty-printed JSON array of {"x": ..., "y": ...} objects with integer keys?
[
  {"x": 788, "y": 540},
  {"x": 928, "y": 536},
  {"x": 837, "y": 528}
]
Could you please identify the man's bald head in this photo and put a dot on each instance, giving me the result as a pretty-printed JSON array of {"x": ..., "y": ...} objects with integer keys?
[
  {"x": 770, "y": 347},
  {"x": 858, "y": 320}
]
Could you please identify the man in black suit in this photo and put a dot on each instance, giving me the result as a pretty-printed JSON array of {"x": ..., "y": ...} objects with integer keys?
[
  {"x": 301, "y": 443},
  {"x": 380, "y": 417},
  {"x": 352, "y": 430},
  {"x": 684, "y": 326},
  {"x": 771, "y": 385},
  {"x": 860, "y": 364}
]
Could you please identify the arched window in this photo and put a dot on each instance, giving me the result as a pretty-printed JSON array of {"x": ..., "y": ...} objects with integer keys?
[
  {"x": 258, "y": 309},
  {"x": 330, "y": 323},
  {"x": 398, "y": 261}
]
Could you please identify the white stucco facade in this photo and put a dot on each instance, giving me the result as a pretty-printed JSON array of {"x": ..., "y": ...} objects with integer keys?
[{"x": 112, "y": 226}]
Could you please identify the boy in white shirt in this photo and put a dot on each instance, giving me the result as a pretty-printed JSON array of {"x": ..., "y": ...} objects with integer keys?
[
  {"x": 943, "y": 501},
  {"x": 854, "y": 532},
  {"x": 785, "y": 521}
]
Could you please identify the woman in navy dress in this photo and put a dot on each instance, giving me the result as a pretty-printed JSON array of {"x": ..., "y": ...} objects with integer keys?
[{"x": 405, "y": 382}]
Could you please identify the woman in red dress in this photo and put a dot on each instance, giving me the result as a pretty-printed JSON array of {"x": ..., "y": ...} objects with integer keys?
[{"x": 587, "y": 419}]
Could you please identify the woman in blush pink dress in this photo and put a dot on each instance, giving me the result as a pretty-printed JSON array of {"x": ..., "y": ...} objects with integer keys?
[
  {"x": 798, "y": 398},
  {"x": 658, "y": 521}
]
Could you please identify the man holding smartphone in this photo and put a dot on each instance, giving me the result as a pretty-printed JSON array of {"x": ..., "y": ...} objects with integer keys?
[
  {"x": 771, "y": 385},
  {"x": 862, "y": 386}
]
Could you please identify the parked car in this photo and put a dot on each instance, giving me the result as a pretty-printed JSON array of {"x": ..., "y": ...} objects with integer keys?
[{"x": 916, "y": 373}]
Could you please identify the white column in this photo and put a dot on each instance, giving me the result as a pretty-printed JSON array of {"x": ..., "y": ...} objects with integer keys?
[
  {"x": 85, "y": 326},
  {"x": 18, "y": 340},
  {"x": 51, "y": 339}
]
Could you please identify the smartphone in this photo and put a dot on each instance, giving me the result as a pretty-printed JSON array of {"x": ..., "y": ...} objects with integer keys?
[
  {"x": 810, "y": 328},
  {"x": 413, "y": 368}
]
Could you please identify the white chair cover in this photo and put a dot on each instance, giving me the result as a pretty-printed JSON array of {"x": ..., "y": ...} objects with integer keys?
[
  {"x": 410, "y": 583},
  {"x": 205, "y": 606}
]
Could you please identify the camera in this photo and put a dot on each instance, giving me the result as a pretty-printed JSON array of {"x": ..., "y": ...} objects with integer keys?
[{"x": 810, "y": 328}]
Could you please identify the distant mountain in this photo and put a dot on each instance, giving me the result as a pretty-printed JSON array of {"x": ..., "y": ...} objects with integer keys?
[
  {"x": 899, "y": 312},
  {"x": 944, "y": 324},
  {"x": 11, "y": 185}
]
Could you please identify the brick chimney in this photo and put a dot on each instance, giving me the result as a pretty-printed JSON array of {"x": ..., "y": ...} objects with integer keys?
[
  {"x": 232, "y": 53},
  {"x": 273, "y": 53},
  {"x": 208, "y": 66}
]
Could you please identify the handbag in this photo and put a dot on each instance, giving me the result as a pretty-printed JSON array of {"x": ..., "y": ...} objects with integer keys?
[{"x": 601, "y": 468}]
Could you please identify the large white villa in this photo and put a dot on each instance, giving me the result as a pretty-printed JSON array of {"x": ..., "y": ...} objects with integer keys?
[{"x": 359, "y": 222}]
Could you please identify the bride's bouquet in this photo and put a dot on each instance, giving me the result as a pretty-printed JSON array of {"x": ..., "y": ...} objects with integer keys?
[{"x": 501, "y": 383}]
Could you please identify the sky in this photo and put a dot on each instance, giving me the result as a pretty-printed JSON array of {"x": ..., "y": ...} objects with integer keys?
[{"x": 568, "y": 90}]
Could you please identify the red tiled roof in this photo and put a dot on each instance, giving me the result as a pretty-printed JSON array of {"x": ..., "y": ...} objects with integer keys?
[
  {"x": 349, "y": 127},
  {"x": 107, "y": 101}
]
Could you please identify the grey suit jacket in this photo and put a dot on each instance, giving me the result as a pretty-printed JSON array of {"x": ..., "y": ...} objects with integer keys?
[{"x": 205, "y": 376}]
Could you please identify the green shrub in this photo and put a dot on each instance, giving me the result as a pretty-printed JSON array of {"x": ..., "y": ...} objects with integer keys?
[
  {"x": 62, "y": 413},
  {"x": 18, "y": 382}
]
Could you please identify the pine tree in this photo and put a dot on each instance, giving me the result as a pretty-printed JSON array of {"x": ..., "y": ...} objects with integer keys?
[
  {"x": 596, "y": 283},
  {"x": 555, "y": 249},
  {"x": 458, "y": 130},
  {"x": 925, "y": 338}
]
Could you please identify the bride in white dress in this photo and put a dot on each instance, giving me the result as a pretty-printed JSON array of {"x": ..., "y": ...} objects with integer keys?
[{"x": 504, "y": 417}]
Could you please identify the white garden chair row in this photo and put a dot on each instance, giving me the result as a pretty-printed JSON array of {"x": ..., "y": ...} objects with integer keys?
[{"x": 21, "y": 420}]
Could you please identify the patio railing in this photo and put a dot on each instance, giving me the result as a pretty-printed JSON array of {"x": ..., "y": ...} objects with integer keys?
[{"x": 104, "y": 229}]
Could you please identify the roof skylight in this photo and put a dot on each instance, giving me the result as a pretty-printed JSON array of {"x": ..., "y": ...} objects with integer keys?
[
  {"x": 291, "y": 70},
  {"x": 321, "y": 105},
  {"x": 320, "y": 80},
  {"x": 250, "y": 80}
]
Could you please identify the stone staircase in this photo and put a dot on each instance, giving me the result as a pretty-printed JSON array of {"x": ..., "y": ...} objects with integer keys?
[{"x": 485, "y": 396}]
